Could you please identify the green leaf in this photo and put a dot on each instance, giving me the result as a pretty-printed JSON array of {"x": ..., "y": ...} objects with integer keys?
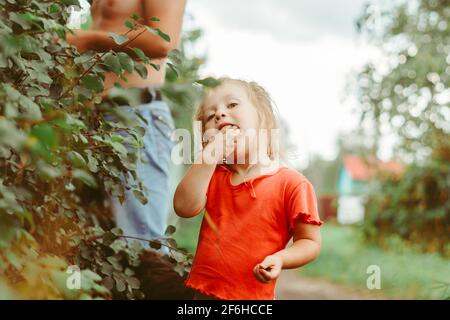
[
  {"x": 7, "y": 229},
  {"x": 14, "y": 260},
  {"x": 136, "y": 246},
  {"x": 71, "y": 2},
  {"x": 54, "y": 8},
  {"x": 92, "y": 163},
  {"x": 120, "y": 285},
  {"x": 141, "y": 55},
  {"x": 119, "y": 148},
  {"x": 135, "y": 16},
  {"x": 208, "y": 82},
  {"x": 154, "y": 19},
  {"x": 133, "y": 282},
  {"x": 173, "y": 68},
  {"x": 155, "y": 244},
  {"x": 32, "y": 18},
  {"x": 112, "y": 62},
  {"x": 117, "y": 138},
  {"x": 176, "y": 56},
  {"x": 16, "y": 17},
  {"x": 48, "y": 171},
  {"x": 141, "y": 70},
  {"x": 85, "y": 57},
  {"x": 107, "y": 269},
  {"x": 85, "y": 177},
  {"x": 159, "y": 33},
  {"x": 126, "y": 62},
  {"x": 77, "y": 159},
  {"x": 29, "y": 109},
  {"x": 129, "y": 24},
  {"x": 117, "y": 231},
  {"x": 170, "y": 230},
  {"x": 129, "y": 272},
  {"x": 108, "y": 282},
  {"x": 11, "y": 136},
  {"x": 155, "y": 66},
  {"x": 92, "y": 82},
  {"x": 118, "y": 38},
  {"x": 45, "y": 134},
  {"x": 108, "y": 238},
  {"x": 140, "y": 196}
]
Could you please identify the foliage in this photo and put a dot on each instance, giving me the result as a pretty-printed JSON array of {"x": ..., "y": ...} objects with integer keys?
[
  {"x": 407, "y": 93},
  {"x": 416, "y": 208},
  {"x": 112, "y": 256},
  {"x": 63, "y": 152}
]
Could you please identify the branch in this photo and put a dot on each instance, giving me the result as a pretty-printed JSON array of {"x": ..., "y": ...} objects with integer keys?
[
  {"x": 98, "y": 58},
  {"x": 154, "y": 241}
]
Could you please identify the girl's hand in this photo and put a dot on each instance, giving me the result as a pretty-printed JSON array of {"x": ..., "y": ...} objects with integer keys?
[
  {"x": 269, "y": 269},
  {"x": 221, "y": 145}
]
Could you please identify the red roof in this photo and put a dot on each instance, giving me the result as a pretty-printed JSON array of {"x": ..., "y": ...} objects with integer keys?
[{"x": 365, "y": 168}]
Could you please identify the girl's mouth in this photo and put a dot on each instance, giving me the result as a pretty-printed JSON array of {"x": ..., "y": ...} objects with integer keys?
[{"x": 223, "y": 125}]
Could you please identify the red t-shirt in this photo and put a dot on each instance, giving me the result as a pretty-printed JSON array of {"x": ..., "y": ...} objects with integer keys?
[{"x": 250, "y": 221}]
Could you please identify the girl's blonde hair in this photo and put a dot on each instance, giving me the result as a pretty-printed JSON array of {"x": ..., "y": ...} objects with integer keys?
[{"x": 263, "y": 103}]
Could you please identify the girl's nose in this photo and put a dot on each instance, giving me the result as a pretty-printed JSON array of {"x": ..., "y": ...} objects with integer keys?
[{"x": 219, "y": 115}]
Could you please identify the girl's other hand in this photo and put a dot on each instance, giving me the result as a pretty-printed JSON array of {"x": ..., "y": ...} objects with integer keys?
[{"x": 269, "y": 269}]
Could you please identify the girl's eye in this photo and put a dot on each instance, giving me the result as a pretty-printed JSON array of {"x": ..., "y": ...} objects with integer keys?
[{"x": 232, "y": 105}]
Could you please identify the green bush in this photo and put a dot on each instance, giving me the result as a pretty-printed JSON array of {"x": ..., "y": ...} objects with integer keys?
[
  {"x": 415, "y": 207},
  {"x": 63, "y": 152}
]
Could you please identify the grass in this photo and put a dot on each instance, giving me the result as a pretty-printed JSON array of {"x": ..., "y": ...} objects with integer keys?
[
  {"x": 187, "y": 232},
  {"x": 405, "y": 273},
  {"x": 345, "y": 257}
]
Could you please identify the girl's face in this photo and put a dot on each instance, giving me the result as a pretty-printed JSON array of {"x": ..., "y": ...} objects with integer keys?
[{"x": 227, "y": 105}]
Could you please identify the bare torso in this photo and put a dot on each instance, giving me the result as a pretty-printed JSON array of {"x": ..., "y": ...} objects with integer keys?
[{"x": 110, "y": 15}]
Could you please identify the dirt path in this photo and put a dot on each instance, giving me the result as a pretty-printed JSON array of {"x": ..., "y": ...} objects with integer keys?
[{"x": 292, "y": 286}]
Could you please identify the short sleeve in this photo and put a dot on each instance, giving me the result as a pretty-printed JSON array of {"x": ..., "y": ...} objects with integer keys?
[{"x": 302, "y": 205}]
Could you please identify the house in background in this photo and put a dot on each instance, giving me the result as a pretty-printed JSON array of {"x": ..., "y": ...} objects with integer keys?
[{"x": 353, "y": 182}]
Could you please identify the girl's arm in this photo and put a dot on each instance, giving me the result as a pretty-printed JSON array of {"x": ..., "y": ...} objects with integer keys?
[
  {"x": 306, "y": 248},
  {"x": 190, "y": 195}
]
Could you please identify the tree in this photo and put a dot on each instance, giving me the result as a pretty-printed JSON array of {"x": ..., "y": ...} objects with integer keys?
[
  {"x": 410, "y": 94},
  {"x": 409, "y": 91}
]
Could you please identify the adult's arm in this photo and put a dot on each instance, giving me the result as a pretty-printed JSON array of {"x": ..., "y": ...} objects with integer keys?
[{"x": 170, "y": 13}]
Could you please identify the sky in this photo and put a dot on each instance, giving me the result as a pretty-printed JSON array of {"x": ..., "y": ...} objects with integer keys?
[{"x": 302, "y": 51}]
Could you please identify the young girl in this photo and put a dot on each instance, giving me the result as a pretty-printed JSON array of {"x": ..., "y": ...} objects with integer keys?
[{"x": 253, "y": 207}]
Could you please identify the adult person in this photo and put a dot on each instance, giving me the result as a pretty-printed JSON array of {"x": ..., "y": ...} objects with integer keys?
[{"x": 134, "y": 218}]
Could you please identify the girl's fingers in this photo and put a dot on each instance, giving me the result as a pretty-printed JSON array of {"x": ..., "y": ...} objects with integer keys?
[
  {"x": 261, "y": 274},
  {"x": 258, "y": 275},
  {"x": 266, "y": 275},
  {"x": 260, "y": 278}
]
